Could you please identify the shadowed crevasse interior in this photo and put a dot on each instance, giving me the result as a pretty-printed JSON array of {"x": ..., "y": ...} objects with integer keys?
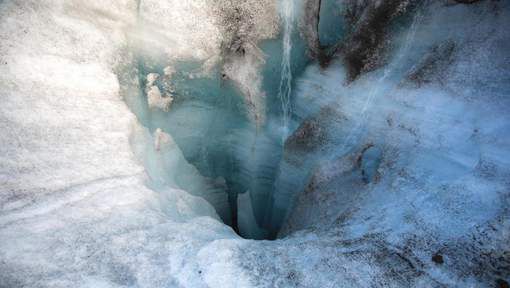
[
  {"x": 210, "y": 121},
  {"x": 254, "y": 168}
]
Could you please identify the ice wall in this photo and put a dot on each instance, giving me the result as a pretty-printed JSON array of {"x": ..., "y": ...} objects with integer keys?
[
  {"x": 225, "y": 109},
  {"x": 75, "y": 210},
  {"x": 415, "y": 174}
]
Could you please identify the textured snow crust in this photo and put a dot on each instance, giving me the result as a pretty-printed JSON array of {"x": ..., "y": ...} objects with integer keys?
[{"x": 75, "y": 207}]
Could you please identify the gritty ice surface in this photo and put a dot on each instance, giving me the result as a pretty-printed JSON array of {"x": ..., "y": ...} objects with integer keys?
[
  {"x": 180, "y": 29},
  {"x": 439, "y": 181},
  {"x": 75, "y": 208}
]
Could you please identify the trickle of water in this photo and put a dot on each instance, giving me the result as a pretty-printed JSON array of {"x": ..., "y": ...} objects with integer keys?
[{"x": 285, "y": 89}]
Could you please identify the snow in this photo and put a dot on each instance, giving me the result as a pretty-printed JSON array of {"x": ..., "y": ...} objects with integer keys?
[
  {"x": 178, "y": 29},
  {"x": 75, "y": 206}
]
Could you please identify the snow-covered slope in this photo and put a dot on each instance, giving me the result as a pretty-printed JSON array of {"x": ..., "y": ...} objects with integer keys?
[{"x": 75, "y": 210}]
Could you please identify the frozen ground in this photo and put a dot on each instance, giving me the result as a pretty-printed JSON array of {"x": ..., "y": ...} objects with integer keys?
[{"x": 400, "y": 178}]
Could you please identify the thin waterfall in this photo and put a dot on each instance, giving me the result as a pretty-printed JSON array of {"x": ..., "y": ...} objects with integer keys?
[
  {"x": 376, "y": 86},
  {"x": 285, "y": 90}
]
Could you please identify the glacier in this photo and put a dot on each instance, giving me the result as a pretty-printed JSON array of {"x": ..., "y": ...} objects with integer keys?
[{"x": 254, "y": 143}]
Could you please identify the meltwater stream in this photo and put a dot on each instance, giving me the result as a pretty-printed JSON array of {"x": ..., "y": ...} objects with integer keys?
[{"x": 285, "y": 89}]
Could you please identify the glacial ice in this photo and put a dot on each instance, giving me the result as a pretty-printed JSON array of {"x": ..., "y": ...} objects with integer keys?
[
  {"x": 134, "y": 131},
  {"x": 156, "y": 100}
]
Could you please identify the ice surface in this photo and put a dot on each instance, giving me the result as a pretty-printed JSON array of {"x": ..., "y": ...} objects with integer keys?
[
  {"x": 75, "y": 210},
  {"x": 167, "y": 167},
  {"x": 408, "y": 161},
  {"x": 155, "y": 100},
  {"x": 436, "y": 187}
]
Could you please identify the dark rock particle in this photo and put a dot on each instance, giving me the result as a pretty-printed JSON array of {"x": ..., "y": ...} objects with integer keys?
[{"x": 438, "y": 258}]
